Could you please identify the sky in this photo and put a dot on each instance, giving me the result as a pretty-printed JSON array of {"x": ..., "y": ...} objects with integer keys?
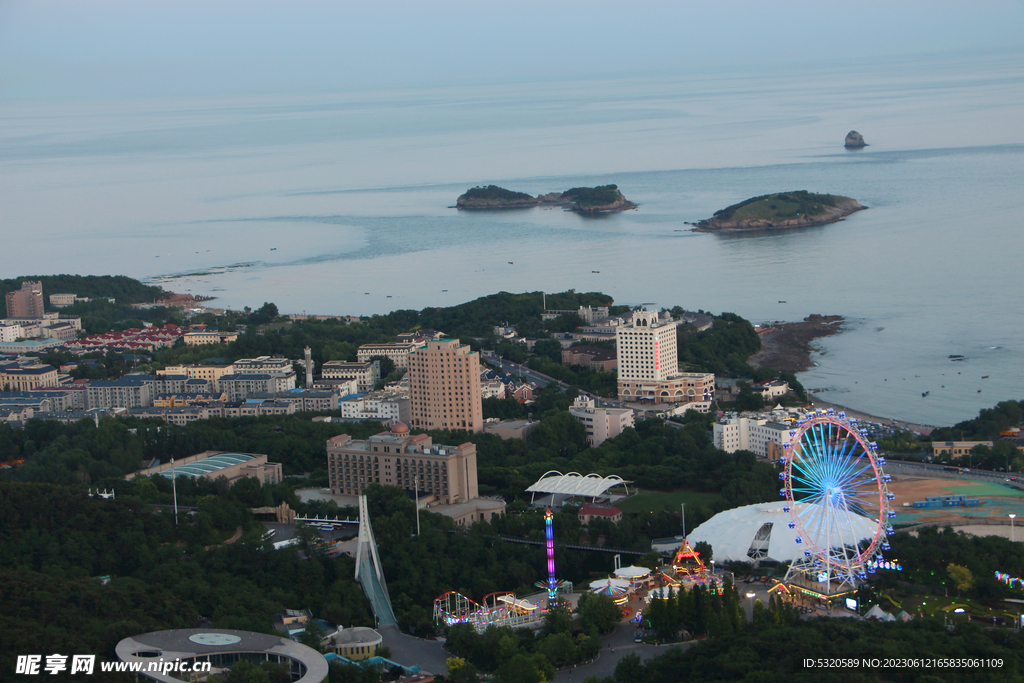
[{"x": 70, "y": 49}]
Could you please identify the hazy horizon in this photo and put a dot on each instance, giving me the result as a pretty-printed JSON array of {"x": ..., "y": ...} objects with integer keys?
[{"x": 61, "y": 49}]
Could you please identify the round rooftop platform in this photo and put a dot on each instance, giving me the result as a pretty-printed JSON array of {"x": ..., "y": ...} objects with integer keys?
[{"x": 222, "y": 647}]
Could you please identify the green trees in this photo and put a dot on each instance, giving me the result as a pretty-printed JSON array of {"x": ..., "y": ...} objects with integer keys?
[
  {"x": 962, "y": 577},
  {"x": 723, "y": 349},
  {"x": 598, "y": 612}
]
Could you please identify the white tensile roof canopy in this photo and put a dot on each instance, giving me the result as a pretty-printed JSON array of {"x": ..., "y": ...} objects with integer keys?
[
  {"x": 761, "y": 532},
  {"x": 575, "y": 484}
]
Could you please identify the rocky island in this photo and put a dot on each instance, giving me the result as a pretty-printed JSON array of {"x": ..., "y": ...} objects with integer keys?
[
  {"x": 586, "y": 200},
  {"x": 799, "y": 209},
  {"x": 854, "y": 140}
]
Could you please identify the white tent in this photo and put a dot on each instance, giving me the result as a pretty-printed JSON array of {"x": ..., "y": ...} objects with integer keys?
[{"x": 877, "y": 612}]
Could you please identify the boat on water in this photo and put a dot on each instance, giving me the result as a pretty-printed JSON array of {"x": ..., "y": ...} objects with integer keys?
[
  {"x": 925, "y": 393},
  {"x": 984, "y": 376}
]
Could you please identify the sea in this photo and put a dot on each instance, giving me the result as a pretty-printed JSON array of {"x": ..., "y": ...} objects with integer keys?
[{"x": 341, "y": 203}]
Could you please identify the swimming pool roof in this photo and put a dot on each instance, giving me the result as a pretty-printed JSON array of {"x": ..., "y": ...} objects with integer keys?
[{"x": 207, "y": 465}]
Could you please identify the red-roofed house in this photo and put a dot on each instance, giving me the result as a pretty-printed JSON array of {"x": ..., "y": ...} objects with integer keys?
[{"x": 596, "y": 511}]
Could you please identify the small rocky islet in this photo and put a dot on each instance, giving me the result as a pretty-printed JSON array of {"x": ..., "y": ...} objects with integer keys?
[
  {"x": 585, "y": 200},
  {"x": 782, "y": 210}
]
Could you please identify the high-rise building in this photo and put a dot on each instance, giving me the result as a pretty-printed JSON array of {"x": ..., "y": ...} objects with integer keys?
[
  {"x": 649, "y": 364},
  {"x": 26, "y": 302},
  {"x": 444, "y": 387}
]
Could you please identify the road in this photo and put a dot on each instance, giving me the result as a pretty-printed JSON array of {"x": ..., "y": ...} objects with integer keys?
[{"x": 542, "y": 380}]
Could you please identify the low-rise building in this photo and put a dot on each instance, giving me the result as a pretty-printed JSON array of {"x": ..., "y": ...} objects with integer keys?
[
  {"x": 127, "y": 392},
  {"x": 27, "y": 378},
  {"x": 378, "y": 405},
  {"x": 593, "y": 357},
  {"x": 303, "y": 400},
  {"x": 398, "y": 352},
  {"x": 957, "y": 448},
  {"x": 214, "y": 464},
  {"x": 754, "y": 433},
  {"x": 601, "y": 423},
  {"x": 400, "y": 459},
  {"x": 186, "y": 399},
  {"x": 238, "y": 387},
  {"x": 356, "y": 643},
  {"x": 592, "y": 511},
  {"x": 211, "y": 373},
  {"x": 771, "y": 389},
  {"x": 510, "y": 429},
  {"x": 201, "y": 337},
  {"x": 366, "y": 373}
]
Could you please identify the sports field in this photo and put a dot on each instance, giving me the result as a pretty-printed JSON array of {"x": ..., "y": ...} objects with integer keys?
[
  {"x": 655, "y": 501},
  {"x": 998, "y": 501}
]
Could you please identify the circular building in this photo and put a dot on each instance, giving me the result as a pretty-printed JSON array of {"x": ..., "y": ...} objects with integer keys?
[
  {"x": 356, "y": 643},
  {"x": 173, "y": 656},
  {"x": 761, "y": 532}
]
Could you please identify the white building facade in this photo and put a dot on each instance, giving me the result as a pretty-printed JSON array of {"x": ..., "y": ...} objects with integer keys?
[
  {"x": 751, "y": 433},
  {"x": 601, "y": 423}
]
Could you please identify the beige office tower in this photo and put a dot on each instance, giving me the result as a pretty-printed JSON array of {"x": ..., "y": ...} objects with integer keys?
[{"x": 444, "y": 387}]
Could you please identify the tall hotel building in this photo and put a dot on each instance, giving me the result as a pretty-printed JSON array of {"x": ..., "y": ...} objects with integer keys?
[
  {"x": 444, "y": 387},
  {"x": 649, "y": 363}
]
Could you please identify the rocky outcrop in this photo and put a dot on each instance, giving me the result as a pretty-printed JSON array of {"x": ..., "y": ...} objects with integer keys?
[{"x": 854, "y": 140}]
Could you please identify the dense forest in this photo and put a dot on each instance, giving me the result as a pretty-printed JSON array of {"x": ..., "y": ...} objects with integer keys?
[
  {"x": 989, "y": 423},
  {"x": 776, "y": 653}
]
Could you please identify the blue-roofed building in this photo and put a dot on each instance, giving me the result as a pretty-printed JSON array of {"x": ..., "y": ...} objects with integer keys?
[{"x": 214, "y": 464}]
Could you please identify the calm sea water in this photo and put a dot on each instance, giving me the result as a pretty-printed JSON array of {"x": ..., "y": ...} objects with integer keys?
[{"x": 338, "y": 203}]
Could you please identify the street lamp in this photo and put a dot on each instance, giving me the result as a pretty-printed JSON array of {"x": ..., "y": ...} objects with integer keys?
[
  {"x": 751, "y": 595},
  {"x": 1012, "y": 537}
]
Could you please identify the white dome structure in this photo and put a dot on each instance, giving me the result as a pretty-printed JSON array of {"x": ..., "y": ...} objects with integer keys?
[{"x": 761, "y": 532}]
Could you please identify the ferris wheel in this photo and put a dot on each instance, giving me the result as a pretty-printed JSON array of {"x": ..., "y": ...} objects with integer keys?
[{"x": 838, "y": 499}]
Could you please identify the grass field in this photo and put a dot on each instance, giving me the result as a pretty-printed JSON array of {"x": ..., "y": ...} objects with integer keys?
[{"x": 654, "y": 501}]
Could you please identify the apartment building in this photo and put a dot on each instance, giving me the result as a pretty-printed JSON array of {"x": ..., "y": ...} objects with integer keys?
[{"x": 444, "y": 387}]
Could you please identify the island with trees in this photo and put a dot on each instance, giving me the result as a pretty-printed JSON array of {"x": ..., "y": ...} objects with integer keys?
[
  {"x": 585, "y": 200},
  {"x": 799, "y": 209}
]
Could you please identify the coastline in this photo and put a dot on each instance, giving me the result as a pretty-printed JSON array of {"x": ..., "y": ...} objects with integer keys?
[
  {"x": 860, "y": 415},
  {"x": 786, "y": 347}
]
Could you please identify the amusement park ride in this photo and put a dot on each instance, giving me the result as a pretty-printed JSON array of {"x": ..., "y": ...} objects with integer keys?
[
  {"x": 504, "y": 608},
  {"x": 833, "y": 483},
  {"x": 832, "y": 474}
]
